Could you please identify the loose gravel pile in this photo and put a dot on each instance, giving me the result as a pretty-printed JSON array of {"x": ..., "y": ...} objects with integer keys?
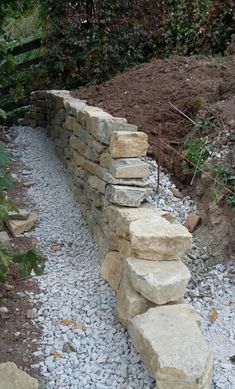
[{"x": 83, "y": 345}]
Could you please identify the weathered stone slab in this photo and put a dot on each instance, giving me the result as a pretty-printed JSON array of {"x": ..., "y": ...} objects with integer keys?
[
  {"x": 101, "y": 124},
  {"x": 13, "y": 378},
  {"x": 77, "y": 159},
  {"x": 120, "y": 218},
  {"x": 126, "y": 195},
  {"x": 128, "y": 168},
  {"x": 125, "y": 144},
  {"x": 71, "y": 123},
  {"x": 97, "y": 184},
  {"x": 112, "y": 269},
  {"x": 73, "y": 105},
  {"x": 170, "y": 342},
  {"x": 129, "y": 302},
  {"x": 17, "y": 227},
  {"x": 161, "y": 282},
  {"x": 78, "y": 145},
  {"x": 157, "y": 239}
]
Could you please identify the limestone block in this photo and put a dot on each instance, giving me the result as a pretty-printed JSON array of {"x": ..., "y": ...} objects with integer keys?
[
  {"x": 97, "y": 184},
  {"x": 170, "y": 342},
  {"x": 77, "y": 159},
  {"x": 90, "y": 117},
  {"x": 83, "y": 134},
  {"x": 91, "y": 154},
  {"x": 13, "y": 378},
  {"x": 78, "y": 145},
  {"x": 93, "y": 168},
  {"x": 128, "y": 168},
  {"x": 71, "y": 123},
  {"x": 125, "y": 144},
  {"x": 161, "y": 282},
  {"x": 140, "y": 182},
  {"x": 126, "y": 195},
  {"x": 157, "y": 239},
  {"x": 105, "y": 159},
  {"x": 73, "y": 105},
  {"x": 98, "y": 147},
  {"x": 129, "y": 302},
  {"x": 112, "y": 269},
  {"x": 17, "y": 227},
  {"x": 124, "y": 247},
  {"x": 120, "y": 218}
]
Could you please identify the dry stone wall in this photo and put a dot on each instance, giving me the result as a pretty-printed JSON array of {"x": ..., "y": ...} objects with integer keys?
[{"x": 140, "y": 247}]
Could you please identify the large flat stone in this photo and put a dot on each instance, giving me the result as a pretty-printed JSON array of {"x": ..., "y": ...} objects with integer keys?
[
  {"x": 13, "y": 378},
  {"x": 128, "y": 168},
  {"x": 124, "y": 144},
  {"x": 161, "y": 282},
  {"x": 112, "y": 269},
  {"x": 101, "y": 124},
  {"x": 129, "y": 302},
  {"x": 120, "y": 218},
  {"x": 126, "y": 195},
  {"x": 170, "y": 342},
  {"x": 97, "y": 183},
  {"x": 17, "y": 227},
  {"x": 157, "y": 239}
]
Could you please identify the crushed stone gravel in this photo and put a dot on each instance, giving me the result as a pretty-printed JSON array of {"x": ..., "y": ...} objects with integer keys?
[{"x": 90, "y": 349}]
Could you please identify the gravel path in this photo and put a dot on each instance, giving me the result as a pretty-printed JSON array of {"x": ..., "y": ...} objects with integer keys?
[{"x": 98, "y": 353}]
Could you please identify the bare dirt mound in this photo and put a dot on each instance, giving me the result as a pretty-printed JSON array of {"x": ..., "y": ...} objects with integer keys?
[{"x": 142, "y": 94}]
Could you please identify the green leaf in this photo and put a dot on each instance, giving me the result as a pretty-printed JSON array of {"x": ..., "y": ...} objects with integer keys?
[
  {"x": 3, "y": 114},
  {"x": 3, "y": 212},
  {"x": 31, "y": 260}
]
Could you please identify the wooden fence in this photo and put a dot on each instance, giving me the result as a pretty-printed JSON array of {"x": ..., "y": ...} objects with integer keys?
[{"x": 15, "y": 51}]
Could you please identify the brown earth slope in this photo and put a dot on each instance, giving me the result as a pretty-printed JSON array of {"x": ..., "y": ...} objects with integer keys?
[{"x": 142, "y": 94}]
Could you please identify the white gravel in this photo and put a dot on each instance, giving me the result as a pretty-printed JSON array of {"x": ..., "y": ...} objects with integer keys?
[{"x": 102, "y": 355}]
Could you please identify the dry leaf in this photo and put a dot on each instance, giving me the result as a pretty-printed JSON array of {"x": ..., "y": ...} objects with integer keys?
[
  {"x": 58, "y": 355},
  {"x": 69, "y": 322},
  {"x": 214, "y": 315}
]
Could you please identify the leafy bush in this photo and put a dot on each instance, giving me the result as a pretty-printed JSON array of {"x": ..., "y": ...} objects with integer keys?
[
  {"x": 28, "y": 261},
  {"x": 90, "y": 41}
]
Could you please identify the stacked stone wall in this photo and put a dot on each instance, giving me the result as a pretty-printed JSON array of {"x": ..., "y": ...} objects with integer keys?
[{"x": 140, "y": 247}]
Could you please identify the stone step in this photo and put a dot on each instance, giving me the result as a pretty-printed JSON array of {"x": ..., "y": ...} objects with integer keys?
[
  {"x": 126, "y": 195},
  {"x": 120, "y": 218},
  {"x": 157, "y": 239},
  {"x": 170, "y": 342},
  {"x": 128, "y": 168},
  {"x": 129, "y": 302},
  {"x": 161, "y": 282},
  {"x": 124, "y": 144}
]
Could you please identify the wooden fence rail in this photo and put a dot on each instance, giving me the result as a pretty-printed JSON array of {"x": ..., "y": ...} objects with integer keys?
[{"x": 15, "y": 51}]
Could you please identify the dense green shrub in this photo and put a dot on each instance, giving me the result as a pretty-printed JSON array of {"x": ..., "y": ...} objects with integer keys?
[{"x": 90, "y": 41}]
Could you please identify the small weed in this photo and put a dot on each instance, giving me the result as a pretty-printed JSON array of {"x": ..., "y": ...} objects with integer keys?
[
  {"x": 224, "y": 173},
  {"x": 197, "y": 152}
]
